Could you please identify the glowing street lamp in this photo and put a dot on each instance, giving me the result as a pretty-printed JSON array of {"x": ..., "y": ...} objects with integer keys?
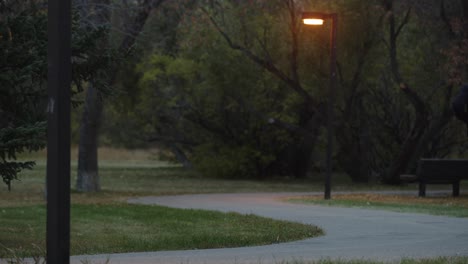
[
  {"x": 313, "y": 21},
  {"x": 317, "y": 19}
]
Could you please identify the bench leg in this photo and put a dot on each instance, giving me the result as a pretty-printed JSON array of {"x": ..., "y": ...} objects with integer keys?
[
  {"x": 456, "y": 189},
  {"x": 422, "y": 189}
]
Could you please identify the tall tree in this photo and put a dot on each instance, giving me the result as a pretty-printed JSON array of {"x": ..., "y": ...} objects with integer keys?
[
  {"x": 98, "y": 13},
  {"x": 94, "y": 14},
  {"x": 281, "y": 74},
  {"x": 257, "y": 49},
  {"x": 22, "y": 88}
]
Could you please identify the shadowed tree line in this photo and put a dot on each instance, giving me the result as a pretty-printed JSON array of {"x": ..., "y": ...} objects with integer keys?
[
  {"x": 238, "y": 89},
  {"x": 244, "y": 91}
]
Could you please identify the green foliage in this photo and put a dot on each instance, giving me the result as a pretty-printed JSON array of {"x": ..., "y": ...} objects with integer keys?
[
  {"x": 208, "y": 101},
  {"x": 16, "y": 140},
  {"x": 23, "y": 78},
  {"x": 230, "y": 162},
  {"x": 23, "y": 51},
  {"x": 213, "y": 94},
  {"x": 90, "y": 62},
  {"x": 215, "y": 110}
]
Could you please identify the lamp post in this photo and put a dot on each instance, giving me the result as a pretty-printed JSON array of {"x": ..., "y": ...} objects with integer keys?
[
  {"x": 317, "y": 19},
  {"x": 58, "y": 131}
]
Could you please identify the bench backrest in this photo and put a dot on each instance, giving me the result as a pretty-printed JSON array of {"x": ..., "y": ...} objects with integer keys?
[{"x": 443, "y": 169}]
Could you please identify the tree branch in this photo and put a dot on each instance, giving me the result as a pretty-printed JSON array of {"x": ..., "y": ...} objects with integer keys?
[
  {"x": 270, "y": 67},
  {"x": 294, "y": 36},
  {"x": 170, "y": 139},
  {"x": 403, "y": 23},
  {"x": 136, "y": 26},
  {"x": 414, "y": 98}
]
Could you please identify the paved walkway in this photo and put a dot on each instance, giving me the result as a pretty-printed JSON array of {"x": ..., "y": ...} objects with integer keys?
[{"x": 350, "y": 233}]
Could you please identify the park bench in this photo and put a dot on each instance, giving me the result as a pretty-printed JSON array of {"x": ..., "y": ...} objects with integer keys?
[{"x": 439, "y": 171}]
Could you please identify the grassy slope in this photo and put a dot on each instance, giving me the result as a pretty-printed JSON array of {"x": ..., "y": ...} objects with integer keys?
[{"x": 112, "y": 228}]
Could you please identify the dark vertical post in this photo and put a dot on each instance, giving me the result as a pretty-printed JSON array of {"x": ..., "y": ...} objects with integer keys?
[
  {"x": 422, "y": 188},
  {"x": 58, "y": 132},
  {"x": 456, "y": 189},
  {"x": 331, "y": 100}
]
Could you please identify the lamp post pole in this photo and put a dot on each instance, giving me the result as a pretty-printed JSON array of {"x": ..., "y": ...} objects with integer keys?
[
  {"x": 58, "y": 131},
  {"x": 317, "y": 18},
  {"x": 331, "y": 102}
]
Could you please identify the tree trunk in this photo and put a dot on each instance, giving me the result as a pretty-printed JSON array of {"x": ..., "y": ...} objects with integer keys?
[
  {"x": 354, "y": 155},
  {"x": 402, "y": 161},
  {"x": 88, "y": 173},
  {"x": 180, "y": 156},
  {"x": 98, "y": 13},
  {"x": 93, "y": 13}
]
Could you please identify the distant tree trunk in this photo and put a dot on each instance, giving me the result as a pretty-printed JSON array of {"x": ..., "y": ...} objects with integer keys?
[
  {"x": 88, "y": 173},
  {"x": 94, "y": 13},
  {"x": 180, "y": 156}
]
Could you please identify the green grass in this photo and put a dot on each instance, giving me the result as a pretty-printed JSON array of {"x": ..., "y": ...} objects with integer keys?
[
  {"x": 127, "y": 180},
  {"x": 104, "y": 223},
  {"x": 448, "y": 206},
  {"x": 113, "y": 228},
  {"x": 121, "y": 183},
  {"x": 141, "y": 172}
]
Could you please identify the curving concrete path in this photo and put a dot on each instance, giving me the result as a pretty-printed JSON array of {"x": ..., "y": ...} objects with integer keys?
[{"x": 350, "y": 233}]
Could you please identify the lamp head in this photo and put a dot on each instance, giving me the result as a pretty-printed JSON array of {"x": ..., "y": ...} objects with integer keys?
[{"x": 313, "y": 18}]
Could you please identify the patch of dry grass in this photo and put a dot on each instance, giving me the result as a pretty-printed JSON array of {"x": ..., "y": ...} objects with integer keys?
[
  {"x": 440, "y": 205},
  {"x": 104, "y": 153},
  {"x": 398, "y": 199}
]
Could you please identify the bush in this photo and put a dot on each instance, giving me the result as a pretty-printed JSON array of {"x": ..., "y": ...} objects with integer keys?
[{"x": 222, "y": 161}]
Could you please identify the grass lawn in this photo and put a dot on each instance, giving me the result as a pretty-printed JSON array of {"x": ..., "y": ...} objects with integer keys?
[
  {"x": 112, "y": 228},
  {"x": 450, "y": 206},
  {"x": 104, "y": 223}
]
